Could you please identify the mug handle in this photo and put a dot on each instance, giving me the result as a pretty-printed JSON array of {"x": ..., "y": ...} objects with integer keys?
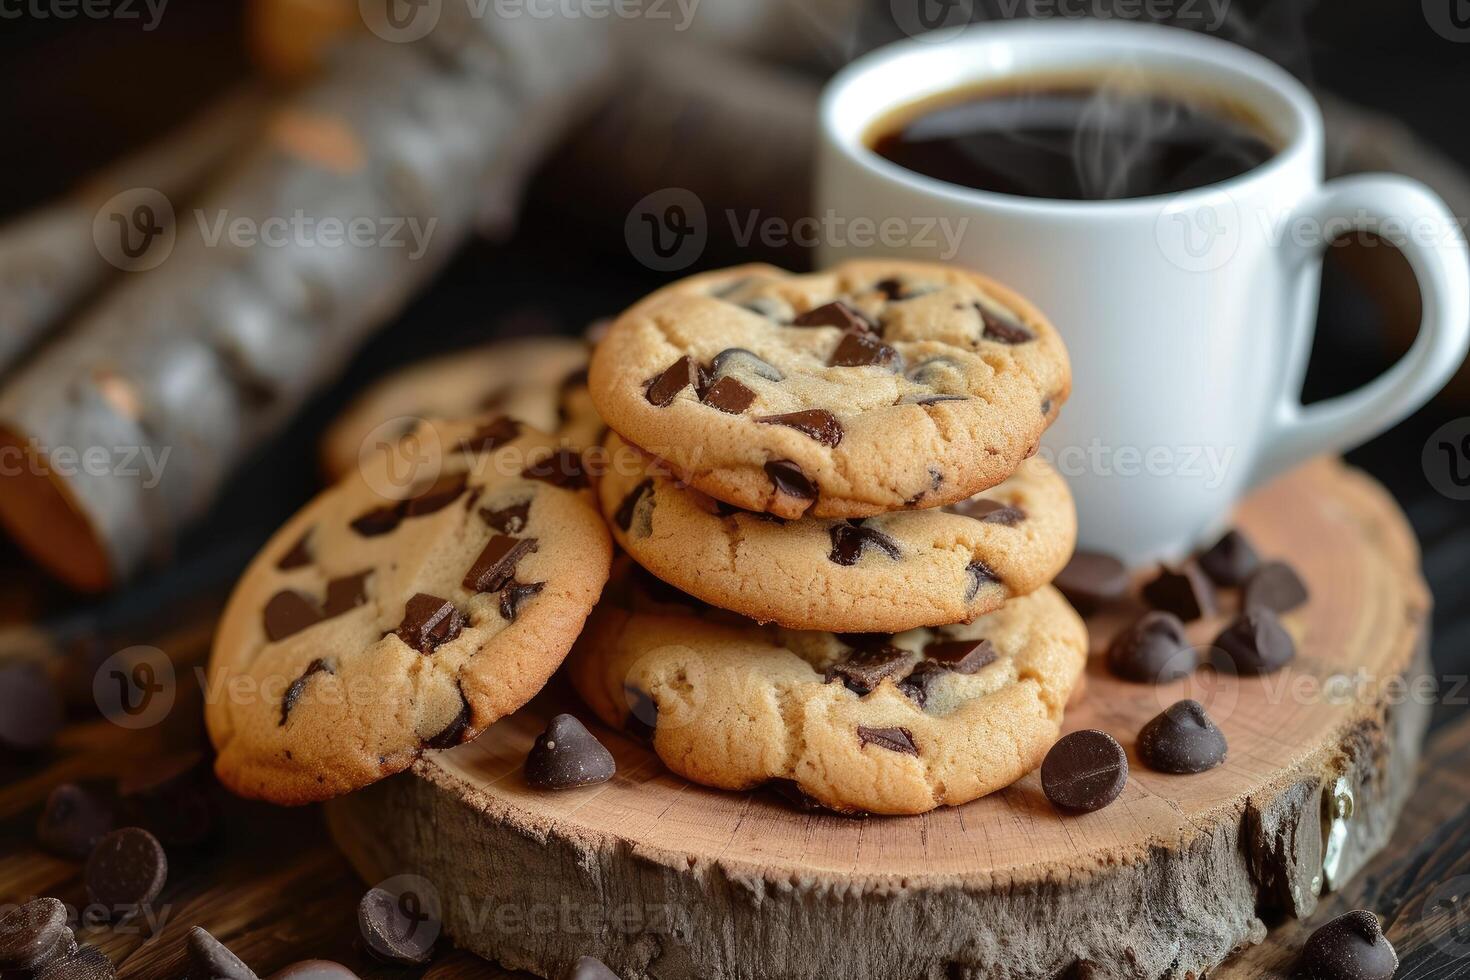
[{"x": 1435, "y": 249}]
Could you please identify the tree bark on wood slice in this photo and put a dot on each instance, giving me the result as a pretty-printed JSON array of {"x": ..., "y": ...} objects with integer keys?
[
  {"x": 663, "y": 879},
  {"x": 257, "y": 303}
]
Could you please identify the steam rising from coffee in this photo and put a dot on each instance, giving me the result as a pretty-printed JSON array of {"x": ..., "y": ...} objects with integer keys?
[{"x": 1095, "y": 138}]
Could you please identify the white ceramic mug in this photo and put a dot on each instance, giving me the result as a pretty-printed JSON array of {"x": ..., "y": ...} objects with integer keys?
[{"x": 1188, "y": 317}]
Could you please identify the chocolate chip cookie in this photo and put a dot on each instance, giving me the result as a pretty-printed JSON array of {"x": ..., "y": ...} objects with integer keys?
[
  {"x": 885, "y": 574},
  {"x": 541, "y": 381},
  {"x": 406, "y": 608},
  {"x": 871, "y": 387},
  {"x": 873, "y": 722}
]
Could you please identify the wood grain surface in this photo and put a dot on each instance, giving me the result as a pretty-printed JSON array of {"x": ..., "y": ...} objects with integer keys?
[{"x": 1171, "y": 878}]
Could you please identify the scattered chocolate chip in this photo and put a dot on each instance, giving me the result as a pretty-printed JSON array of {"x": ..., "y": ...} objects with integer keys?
[
  {"x": 865, "y": 669},
  {"x": 210, "y": 959},
  {"x": 568, "y": 755},
  {"x": 126, "y": 871},
  {"x": 865, "y": 350},
  {"x": 35, "y": 934},
  {"x": 289, "y": 612},
  {"x": 76, "y": 816},
  {"x": 397, "y": 929},
  {"x": 1183, "y": 591},
  {"x": 835, "y": 314},
  {"x": 978, "y": 574},
  {"x": 817, "y": 423},
  {"x": 899, "y": 740},
  {"x": 563, "y": 468},
  {"x": 642, "y": 717},
  {"x": 1181, "y": 739},
  {"x": 429, "y": 622},
  {"x": 293, "y": 693},
  {"x": 438, "y": 495},
  {"x": 378, "y": 521},
  {"x": 1084, "y": 771},
  {"x": 515, "y": 595},
  {"x": 988, "y": 511},
  {"x": 586, "y": 968},
  {"x": 1091, "y": 580},
  {"x": 345, "y": 594},
  {"x": 961, "y": 656},
  {"x": 1255, "y": 643},
  {"x": 850, "y": 540},
  {"x": 623, "y": 517},
  {"x": 1275, "y": 586},
  {"x": 314, "y": 970},
  {"x": 1350, "y": 947},
  {"x": 1152, "y": 650},
  {"x": 493, "y": 434},
  {"x": 738, "y": 360},
  {"x": 1229, "y": 561},
  {"x": 453, "y": 733},
  {"x": 31, "y": 712},
  {"x": 508, "y": 520},
  {"x": 87, "y": 963},
  {"x": 496, "y": 566},
  {"x": 683, "y": 373},
  {"x": 300, "y": 553},
  {"x": 790, "y": 480},
  {"x": 1001, "y": 328},
  {"x": 729, "y": 395}
]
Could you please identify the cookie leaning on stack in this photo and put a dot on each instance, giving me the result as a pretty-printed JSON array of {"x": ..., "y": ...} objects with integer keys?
[{"x": 847, "y": 454}]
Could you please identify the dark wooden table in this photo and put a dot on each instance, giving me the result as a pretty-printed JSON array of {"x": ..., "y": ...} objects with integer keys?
[{"x": 273, "y": 888}]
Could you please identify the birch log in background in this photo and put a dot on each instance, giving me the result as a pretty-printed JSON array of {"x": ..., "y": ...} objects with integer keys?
[
  {"x": 48, "y": 264},
  {"x": 115, "y": 437}
]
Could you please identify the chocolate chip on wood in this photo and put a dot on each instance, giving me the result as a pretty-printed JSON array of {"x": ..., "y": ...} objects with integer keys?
[
  {"x": 1182, "y": 739},
  {"x": 76, "y": 816},
  {"x": 35, "y": 934},
  {"x": 1084, "y": 771},
  {"x": 127, "y": 871},
  {"x": 87, "y": 963},
  {"x": 397, "y": 928},
  {"x": 210, "y": 959},
  {"x": 567, "y": 755},
  {"x": 1152, "y": 650},
  {"x": 1229, "y": 561},
  {"x": 1092, "y": 580},
  {"x": 1275, "y": 586},
  {"x": 1254, "y": 643},
  {"x": 1350, "y": 947},
  {"x": 1184, "y": 591}
]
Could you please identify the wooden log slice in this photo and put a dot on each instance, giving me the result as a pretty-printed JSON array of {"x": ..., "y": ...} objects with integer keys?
[{"x": 663, "y": 879}]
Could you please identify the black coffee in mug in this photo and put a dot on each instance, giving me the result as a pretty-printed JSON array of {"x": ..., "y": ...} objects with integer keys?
[{"x": 1073, "y": 139}]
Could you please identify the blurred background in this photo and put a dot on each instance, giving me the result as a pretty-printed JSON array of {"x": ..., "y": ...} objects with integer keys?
[{"x": 82, "y": 91}]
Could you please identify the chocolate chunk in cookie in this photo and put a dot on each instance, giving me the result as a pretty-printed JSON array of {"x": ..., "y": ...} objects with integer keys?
[{"x": 429, "y": 621}]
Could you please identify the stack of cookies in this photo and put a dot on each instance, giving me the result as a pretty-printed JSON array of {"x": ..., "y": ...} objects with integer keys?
[
  {"x": 843, "y": 539},
  {"x": 837, "y": 539}
]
